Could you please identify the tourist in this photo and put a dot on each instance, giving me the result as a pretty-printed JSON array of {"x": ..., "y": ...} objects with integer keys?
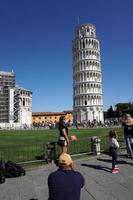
[
  {"x": 128, "y": 134},
  {"x": 65, "y": 183},
  {"x": 63, "y": 140},
  {"x": 113, "y": 150}
]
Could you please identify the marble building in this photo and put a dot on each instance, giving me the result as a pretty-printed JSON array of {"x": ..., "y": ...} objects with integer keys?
[{"x": 87, "y": 75}]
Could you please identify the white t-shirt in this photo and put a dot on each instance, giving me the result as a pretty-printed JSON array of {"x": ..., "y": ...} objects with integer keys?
[{"x": 113, "y": 143}]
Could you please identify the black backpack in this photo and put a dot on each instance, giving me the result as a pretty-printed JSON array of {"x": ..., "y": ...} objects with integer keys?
[
  {"x": 13, "y": 170},
  {"x": 2, "y": 172}
]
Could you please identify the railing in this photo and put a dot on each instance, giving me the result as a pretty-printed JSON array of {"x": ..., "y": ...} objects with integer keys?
[
  {"x": 28, "y": 153},
  {"x": 20, "y": 153}
]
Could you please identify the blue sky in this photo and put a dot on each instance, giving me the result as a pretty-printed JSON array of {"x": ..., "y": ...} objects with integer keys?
[{"x": 36, "y": 42}]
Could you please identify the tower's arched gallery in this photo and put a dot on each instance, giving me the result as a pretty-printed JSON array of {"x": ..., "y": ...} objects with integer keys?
[{"x": 87, "y": 75}]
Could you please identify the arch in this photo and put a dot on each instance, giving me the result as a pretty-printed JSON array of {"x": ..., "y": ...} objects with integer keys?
[
  {"x": 80, "y": 44},
  {"x": 94, "y": 74},
  {"x": 82, "y": 88},
  {"x": 83, "y": 54},
  {"x": 88, "y": 86},
  {"x": 86, "y": 53},
  {"x": 80, "y": 66},
  {"x": 87, "y": 63},
  {"x": 89, "y": 53},
  {"x": 88, "y": 75},
  {"x": 84, "y": 76},
  {"x": 85, "y": 103},
  {"x": 86, "y": 41},
  {"x": 83, "y": 44}
]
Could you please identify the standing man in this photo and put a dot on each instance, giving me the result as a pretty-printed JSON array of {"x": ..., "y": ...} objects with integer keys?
[{"x": 65, "y": 183}]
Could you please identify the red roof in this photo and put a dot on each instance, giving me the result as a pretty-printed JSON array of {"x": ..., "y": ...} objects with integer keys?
[{"x": 51, "y": 113}]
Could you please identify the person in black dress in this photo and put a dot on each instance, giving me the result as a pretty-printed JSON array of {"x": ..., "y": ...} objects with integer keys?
[{"x": 63, "y": 135}]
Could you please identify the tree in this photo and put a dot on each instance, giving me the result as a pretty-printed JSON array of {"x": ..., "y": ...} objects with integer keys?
[
  {"x": 118, "y": 112},
  {"x": 110, "y": 112},
  {"x": 124, "y": 106}
]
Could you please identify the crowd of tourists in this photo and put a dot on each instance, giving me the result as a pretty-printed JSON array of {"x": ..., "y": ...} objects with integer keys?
[{"x": 84, "y": 124}]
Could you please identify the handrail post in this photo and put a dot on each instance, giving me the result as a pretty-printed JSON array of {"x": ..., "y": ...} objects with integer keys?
[{"x": 95, "y": 144}]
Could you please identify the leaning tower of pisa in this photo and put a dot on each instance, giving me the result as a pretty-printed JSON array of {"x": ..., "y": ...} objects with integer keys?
[{"x": 87, "y": 75}]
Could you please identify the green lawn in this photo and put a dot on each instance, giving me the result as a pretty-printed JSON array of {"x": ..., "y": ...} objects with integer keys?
[
  {"x": 24, "y": 145},
  {"x": 19, "y": 137}
]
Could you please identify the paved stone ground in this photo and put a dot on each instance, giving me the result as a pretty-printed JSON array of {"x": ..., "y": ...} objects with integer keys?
[{"x": 100, "y": 183}]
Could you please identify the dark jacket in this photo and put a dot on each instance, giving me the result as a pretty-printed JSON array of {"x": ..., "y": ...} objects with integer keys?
[{"x": 65, "y": 185}]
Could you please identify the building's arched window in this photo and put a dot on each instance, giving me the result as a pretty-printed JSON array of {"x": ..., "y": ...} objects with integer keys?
[
  {"x": 86, "y": 53},
  {"x": 87, "y": 63},
  {"x": 85, "y": 103},
  {"x": 83, "y": 44},
  {"x": 80, "y": 45},
  {"x": 23, "y": 101},
  {"x": 86, "y": 42}
]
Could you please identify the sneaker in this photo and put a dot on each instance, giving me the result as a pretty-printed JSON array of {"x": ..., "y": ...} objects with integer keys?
[
  {"x": 115, "y": 171},
  {"x": 116, "y": 167}
]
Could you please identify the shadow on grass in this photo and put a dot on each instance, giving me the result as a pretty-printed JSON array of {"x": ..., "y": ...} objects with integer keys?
[{"x": 97, "y": 167}]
